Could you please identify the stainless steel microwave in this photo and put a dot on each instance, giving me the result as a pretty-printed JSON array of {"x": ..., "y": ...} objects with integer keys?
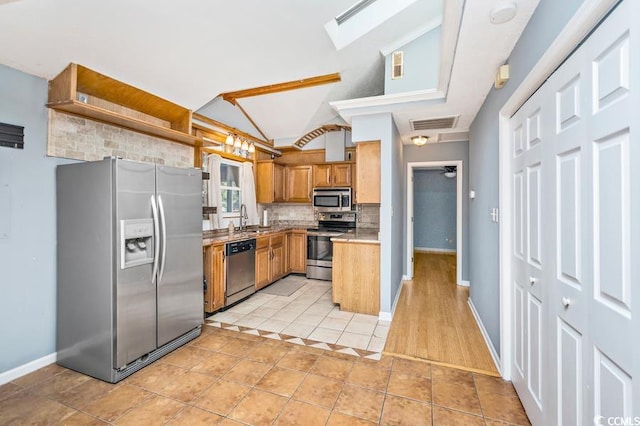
[{"x": 332, "y": 199}]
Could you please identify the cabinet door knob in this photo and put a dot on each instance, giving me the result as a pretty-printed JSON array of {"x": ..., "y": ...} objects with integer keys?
[
  {"x": 533, "y": 280},
  {"x": 566, "y": 302}
]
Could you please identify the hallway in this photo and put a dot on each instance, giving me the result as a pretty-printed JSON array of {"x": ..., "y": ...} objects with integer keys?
[{"x": 433, "y": 320}]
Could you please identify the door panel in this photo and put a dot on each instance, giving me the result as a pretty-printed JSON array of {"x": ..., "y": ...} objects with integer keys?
[
  {"x": 612, "y": 389},
  {"x": 519, "y": 330},
  {"x": 611, "y": 196},
  {"x": 135, "y": 291},
  {"x": 534, "y": 348},
  {"x": 180, "y": 295},
  {"x": 568, "y": 213},
  {"x": 570, "y": 375}
]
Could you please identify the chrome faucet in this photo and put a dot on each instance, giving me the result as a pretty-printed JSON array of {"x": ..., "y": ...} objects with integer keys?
[{"x": 243, "y": 216}]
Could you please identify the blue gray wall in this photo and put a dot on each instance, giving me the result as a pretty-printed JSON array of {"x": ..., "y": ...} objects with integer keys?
[
  {"x": 27, "y": 210},
  {"x": 421, "y": 65},
  {"x": 546, "y": 23},
  {"x": 449, "y": 151},
  {"x": 392, "y": 194},
  {"x": 434, "y": 210}
]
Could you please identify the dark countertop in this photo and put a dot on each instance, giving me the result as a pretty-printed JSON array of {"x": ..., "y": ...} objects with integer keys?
[
  {"x": 362, "y": 235},
  {"x": 223, "y": 236}
]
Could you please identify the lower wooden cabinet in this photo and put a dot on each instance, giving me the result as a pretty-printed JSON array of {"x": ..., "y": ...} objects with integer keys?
[
  {"x": 214, "y": 273},
  {"x": 277, "y": 255},
  {"x": 297, "y": 248},
  {"x": 270, "y": 259},
  {"x": 356, "y": 276},
  {"x": 263, "y": 262}
]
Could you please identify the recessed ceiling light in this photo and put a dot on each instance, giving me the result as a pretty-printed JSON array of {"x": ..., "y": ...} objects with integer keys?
[{"x": 504, "y": 12}]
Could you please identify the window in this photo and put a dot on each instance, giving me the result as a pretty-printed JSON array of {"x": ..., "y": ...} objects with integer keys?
[{"x": 230, "y": 187}]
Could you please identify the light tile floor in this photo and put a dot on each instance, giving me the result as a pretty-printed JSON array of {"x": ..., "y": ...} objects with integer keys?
[{"x": 306, "y": 317}]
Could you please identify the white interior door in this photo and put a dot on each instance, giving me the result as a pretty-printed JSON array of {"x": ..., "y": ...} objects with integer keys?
[
  {"x": 575, "y": 226},
  {"x": 528, "y": 257}
]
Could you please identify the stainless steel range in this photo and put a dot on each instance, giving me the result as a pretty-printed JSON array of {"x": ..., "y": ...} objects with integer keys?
[{"x": 319, "y": 245}]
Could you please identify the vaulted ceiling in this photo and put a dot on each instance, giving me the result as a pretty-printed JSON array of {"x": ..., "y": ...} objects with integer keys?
[{"x": 191, "y": 51}]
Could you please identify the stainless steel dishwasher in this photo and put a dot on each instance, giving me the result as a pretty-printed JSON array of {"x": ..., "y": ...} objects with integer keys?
[{"x": 241, "y": 270}]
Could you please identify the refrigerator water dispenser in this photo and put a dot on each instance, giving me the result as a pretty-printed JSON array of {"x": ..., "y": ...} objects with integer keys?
[{"x": 136, "y": 242}]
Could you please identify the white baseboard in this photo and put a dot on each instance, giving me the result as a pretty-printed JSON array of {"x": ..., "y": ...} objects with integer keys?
[
  {"x": 433, "y": 250},
  {"x": 385, "y": 316},
  {"x": 406, "y": 278},
  {"x": 492, "y": 350},
  {"x": 465, "y": 283},
  {"x": 388, "y": 316},
  {"x": 27, "y": 368}
]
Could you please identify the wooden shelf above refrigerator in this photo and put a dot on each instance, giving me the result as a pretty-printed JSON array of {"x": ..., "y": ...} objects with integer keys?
[{"x": 81, "y": 91}]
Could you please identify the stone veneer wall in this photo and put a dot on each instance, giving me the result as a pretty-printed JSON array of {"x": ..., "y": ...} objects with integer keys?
[
  {"x": 302, "y": 215},
  {"x": 84, "y": 139}
]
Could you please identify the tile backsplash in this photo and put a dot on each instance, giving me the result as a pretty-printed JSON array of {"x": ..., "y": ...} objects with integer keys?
[
  {"x": 368, "y": 216},
  {"x": 289, "y": 214},
  {"x": 303, "y": 215},
  {"x": 84, "y": 139}
]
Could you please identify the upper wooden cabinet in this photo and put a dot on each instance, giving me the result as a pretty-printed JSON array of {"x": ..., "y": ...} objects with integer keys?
[
  {"x": 332, "y": 175},
  {"x": 81, "y": 91},
  {"x": 270, "y": 182},
  {"x": 368, "y": 173},
  {"x": 298, "y": 184}
]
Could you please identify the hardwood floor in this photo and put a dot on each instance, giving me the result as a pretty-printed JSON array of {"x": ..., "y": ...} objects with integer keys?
[{"x": 433, "y": 320}]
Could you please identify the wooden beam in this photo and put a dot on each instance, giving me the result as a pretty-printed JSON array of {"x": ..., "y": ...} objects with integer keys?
[
  {"x": 230, "y": 129},
  {"x": 281, "y": 87},
  {"x": 251, "y": 121}
]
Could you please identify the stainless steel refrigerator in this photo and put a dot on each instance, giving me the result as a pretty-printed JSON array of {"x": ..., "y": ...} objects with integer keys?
[{"x": 129, "y": 265}]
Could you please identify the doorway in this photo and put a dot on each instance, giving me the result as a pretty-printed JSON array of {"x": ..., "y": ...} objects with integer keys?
[{"x": 412, "y": 168}]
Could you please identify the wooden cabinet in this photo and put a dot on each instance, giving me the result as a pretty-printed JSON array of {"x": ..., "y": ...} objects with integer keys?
[
  {"x": 368, "y": 173},
  {"x": 214, "y": 272},
  {"x": 270, "y": 182},
  {"x": 270, "y": 259},
  {"x": 263, "y": 262},
  {"x": 298, "y": 184},
  {"x": 332, "y": 175},
  {"x": 277, "y": 257},
  {"x": 356, "y": 276},
  {"x": 297, "y": 248},
  {"x": 81, "y": 91}
]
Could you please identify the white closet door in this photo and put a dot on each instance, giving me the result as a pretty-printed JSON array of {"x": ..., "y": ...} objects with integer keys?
[
  {"x": 528, "y": 257},
  {"x": 611, "y": 132},
  {"x": 568, "y": 279},
  {"x": 588, "y": 209}
]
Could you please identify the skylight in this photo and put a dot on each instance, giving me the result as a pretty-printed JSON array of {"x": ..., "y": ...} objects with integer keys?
[
  {"x": 361, "y": 18},
  {"x": 352, "y": 11}
]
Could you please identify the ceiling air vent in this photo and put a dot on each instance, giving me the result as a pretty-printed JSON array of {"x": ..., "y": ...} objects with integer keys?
[
  {"x": 434, "y": 123},
  {"x": 453, "y": 137},
  {"x": 397, "y": 66}
]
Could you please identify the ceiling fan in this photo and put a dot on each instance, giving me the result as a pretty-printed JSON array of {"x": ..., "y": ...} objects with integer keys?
[{"x": 449, "y": 171}]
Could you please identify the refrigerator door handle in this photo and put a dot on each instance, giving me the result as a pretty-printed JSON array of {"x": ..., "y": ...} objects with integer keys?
[
  {"x": 156, "y": 239},
  {"x": 163, "y": 221}
]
